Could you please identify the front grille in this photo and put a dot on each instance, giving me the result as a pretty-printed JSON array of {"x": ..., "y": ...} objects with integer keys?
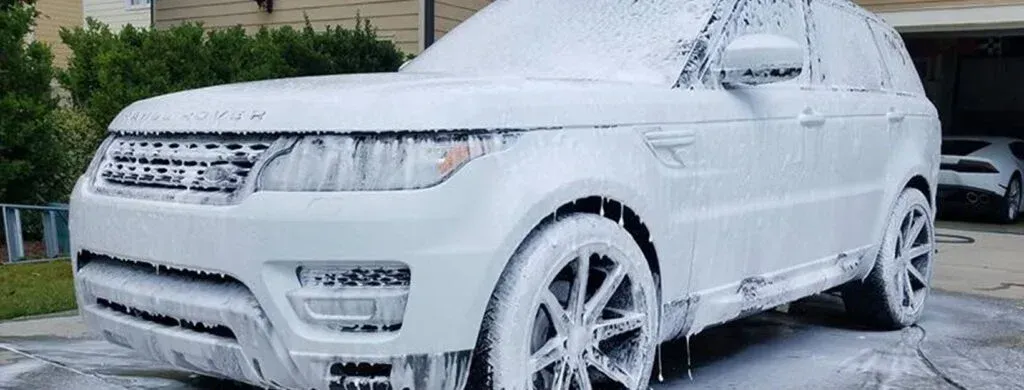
[
  {"x": 359, "y": 276},
  {"x": 184, "y": 168},
  {"x": 199, "y": 327}
]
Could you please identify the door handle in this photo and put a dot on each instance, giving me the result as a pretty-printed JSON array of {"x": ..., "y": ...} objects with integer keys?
[
  {"x": 895, "y": 115},
  {"x": 811, "y": 118}
]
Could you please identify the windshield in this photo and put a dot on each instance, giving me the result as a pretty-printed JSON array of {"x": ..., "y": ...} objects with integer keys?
[{"x": 620, "y": 40}]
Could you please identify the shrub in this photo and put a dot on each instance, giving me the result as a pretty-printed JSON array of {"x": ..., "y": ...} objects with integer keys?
[
  {"x": 108, "y": 70},
  {"x": 79, "y": 136},
  {"x": 27, "y": 140}
]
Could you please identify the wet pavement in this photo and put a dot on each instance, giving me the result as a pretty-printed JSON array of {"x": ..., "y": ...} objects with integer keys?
[{"x": 963, "y": 342}]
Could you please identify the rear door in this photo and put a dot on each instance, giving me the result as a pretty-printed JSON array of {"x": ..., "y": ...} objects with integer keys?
[{"x": 849, "y": 153}]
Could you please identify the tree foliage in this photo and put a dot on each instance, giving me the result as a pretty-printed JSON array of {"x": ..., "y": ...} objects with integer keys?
[{"x": 27, "y": 135}]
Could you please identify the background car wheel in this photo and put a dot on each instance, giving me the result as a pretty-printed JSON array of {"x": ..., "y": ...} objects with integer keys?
[
  {"x": 894, "y": 293},
  {"x": 576, "y": 308},
  {"x": 1012, "y": 200}
]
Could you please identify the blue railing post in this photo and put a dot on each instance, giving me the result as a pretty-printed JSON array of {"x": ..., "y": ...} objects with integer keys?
[
  {"x": 12, "y": 233},
  {"x": 50, "y": 233},
  {"x": 55, "y": 230}
]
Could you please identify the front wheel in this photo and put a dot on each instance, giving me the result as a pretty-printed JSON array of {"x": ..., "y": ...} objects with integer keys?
[
  {"x": 894, "y": 293},
  {"x": 576, "y": 308}
]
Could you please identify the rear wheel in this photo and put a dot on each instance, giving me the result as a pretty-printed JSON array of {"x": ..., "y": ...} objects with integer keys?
[
  {"x": 894, "y": 293},
  {"x": 1012, "y": 201},
  {"x": 577, "y": 308}
]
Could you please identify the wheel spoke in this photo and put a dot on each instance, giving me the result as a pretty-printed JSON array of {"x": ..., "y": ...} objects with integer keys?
[
  {"x": 628, "y": 321},
  {"x": 552, "y": 351},
  {"x": 583, "y": 379},
  {"x": 559, "y": 318},
  {"x": 918, "y": 251},
  {"x": 579, "y": 286},
  {"x": 600, "y": 361},
  {"x": 917, "y": 224},
  {"x": 600, "y": 299},
  {"x": 916, "y": 275},
  {"x": 908, "y": 289},
  {"x": 563, "y": 376}
]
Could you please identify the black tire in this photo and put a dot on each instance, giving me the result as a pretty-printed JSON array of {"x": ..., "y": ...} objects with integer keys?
[
  {"x": 1009, "y": 210},
  {"x": 882, "y": 300},
  {"x": 519, "y": 321}
]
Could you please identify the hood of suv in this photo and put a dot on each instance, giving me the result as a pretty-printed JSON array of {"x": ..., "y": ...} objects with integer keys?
[{"x": 394, "y": 102}]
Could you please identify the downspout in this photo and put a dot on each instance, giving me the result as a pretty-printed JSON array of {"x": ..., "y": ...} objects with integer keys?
[
  {"x": 152, "y": 14},
  {"x": 428, "y": 23}
]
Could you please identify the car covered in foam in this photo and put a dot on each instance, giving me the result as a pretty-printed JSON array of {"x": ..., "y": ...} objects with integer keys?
[{"x": 534, "y": 202}]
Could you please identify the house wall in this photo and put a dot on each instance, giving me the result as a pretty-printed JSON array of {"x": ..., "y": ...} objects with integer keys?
[
  {"x": 449, "y": 13},
  {"x": 116, "y": 13},
  {"x": 55, "y": 14},
  {"x": 397, "y": 20},
  {"x": 908, "y": 5},
  {"x": 949, "y": 15}
]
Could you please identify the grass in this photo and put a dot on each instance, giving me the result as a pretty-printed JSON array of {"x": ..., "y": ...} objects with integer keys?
[{"x": 36, "y": 288}]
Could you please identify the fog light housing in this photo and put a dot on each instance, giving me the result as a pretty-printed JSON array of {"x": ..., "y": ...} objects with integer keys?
[{"x": 352, "y": 298}]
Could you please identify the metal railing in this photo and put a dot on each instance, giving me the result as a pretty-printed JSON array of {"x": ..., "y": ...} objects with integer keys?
[{"x": 55, "y": 230}]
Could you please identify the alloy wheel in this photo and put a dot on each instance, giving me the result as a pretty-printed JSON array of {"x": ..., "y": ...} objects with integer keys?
[
  {"x": 915, "y": 250},
  {"x": 589, "y": 326}
]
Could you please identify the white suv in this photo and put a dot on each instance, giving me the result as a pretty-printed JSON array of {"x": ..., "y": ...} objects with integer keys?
[{"x": 535, "y": 202}]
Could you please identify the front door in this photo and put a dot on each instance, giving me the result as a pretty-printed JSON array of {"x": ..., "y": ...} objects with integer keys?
[{"x": 754, "y": 157}]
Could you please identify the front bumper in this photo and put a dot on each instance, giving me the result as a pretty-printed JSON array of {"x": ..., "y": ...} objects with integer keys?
[{"x": 169, "y": 307}]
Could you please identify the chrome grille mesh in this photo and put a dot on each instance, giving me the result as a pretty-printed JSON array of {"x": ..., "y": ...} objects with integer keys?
[
  {"x": 186, "y": 168},
  {"x": 366, "y": 276}
]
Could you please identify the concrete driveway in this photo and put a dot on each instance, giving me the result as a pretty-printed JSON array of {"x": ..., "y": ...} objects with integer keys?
[{"x": 963, "y": 342}]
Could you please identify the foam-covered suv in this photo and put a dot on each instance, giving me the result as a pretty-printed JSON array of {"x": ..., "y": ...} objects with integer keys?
[{"x": 535, "y": 202}]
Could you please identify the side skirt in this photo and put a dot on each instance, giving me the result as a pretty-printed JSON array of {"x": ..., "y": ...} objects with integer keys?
[{"x": 758, "y": 293}]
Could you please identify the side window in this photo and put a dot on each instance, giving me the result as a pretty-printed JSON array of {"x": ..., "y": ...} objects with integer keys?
[
  {"x": 778, "y": 17},
  {"x": 902, "y": 70},
  {"x": 1017, "y": 148},
  {"x": 843, "y": 49}
]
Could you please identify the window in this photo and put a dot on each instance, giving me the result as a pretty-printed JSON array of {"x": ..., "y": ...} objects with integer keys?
[
  {"x": 844, "y": 54},
  {"x": 1017, "y": 148},
  {"x": 904, "y": 75},
  {"x": 777, "y": 17},
  {"x": 133, "y": 4}
]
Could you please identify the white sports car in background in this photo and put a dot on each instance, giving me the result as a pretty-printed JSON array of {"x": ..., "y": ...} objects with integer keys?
[{"x": 982, "y": 173}]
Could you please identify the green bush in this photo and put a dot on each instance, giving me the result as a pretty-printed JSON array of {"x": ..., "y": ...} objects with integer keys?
[
  {"x": 108, "y": 70},
  {"x": 27, "y": 137},
  {"x": 79, "y": 136}
]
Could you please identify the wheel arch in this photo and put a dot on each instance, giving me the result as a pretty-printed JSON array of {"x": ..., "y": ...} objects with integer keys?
[{"x": 919, "y": 183}]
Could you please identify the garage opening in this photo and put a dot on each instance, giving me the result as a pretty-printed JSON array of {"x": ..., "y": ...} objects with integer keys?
[{"x": 975, "y": 79}]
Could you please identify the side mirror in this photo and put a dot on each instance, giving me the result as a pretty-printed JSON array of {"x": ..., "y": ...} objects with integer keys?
[{"x": 758, "y": 59}]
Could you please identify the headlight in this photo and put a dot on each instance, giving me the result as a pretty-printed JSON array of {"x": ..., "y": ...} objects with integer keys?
[
  {"x": 375, "y": 162},
  {"x": 98, "y": 157}
]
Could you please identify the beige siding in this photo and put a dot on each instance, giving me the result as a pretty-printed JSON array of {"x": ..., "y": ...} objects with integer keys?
[
  {"x": 913, "y": 5},
  {"x": 449, "y": 13},
  {"x": 116, "y": 13},
  {"x": 397, "y": 20},
  {"x": 55, "y": 14}
]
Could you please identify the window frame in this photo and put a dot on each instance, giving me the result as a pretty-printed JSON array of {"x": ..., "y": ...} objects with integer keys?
[{"x": 144, "y": 5}]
